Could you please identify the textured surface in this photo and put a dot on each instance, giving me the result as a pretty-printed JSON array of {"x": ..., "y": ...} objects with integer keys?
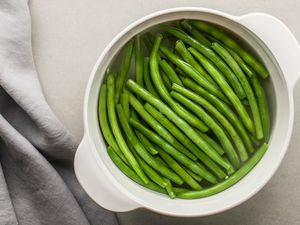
[
  {"x": 37, "y": 182},
  {"x": 69, "y": 35}
]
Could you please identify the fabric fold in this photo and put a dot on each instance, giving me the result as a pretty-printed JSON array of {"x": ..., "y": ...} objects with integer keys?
[{"x": 37, "y": 181}]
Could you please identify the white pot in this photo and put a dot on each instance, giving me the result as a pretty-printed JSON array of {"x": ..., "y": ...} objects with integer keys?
[{"x": 279, "y": 51}]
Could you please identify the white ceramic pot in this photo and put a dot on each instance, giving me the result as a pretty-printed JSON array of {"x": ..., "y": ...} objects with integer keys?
[{"x": 279, "y": 51}]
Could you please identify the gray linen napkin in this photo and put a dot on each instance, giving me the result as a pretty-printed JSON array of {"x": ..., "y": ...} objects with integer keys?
[{"x": 37, "y": 182}]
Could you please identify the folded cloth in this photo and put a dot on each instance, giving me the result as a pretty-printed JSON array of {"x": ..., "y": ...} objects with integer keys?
[{"x": 37, "y": 182}]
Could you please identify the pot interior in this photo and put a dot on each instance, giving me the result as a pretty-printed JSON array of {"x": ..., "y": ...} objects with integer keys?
[{"x": 279, "y": 107}]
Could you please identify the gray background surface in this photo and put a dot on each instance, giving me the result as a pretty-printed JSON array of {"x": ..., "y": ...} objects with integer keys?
[{"x": 69, "y": 35}]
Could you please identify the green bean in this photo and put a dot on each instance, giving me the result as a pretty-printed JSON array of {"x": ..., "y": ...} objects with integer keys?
[
  {"x": 162, "y": 161},
  {"x": 193, "y": 175},
  {"x": 203, "y": 167},
  {"x": 211, "y": 123},
  {"x": 241, "y": 62},
  {"x": 123, "y": 70},
  {"x": 169, "y": 71},
  {"x": 147, "y": 79},
  {"x": 138, "y": 60},
  {"x": 179, "y": 170},
  {"x": 103, "y": 122},
  {"x": 163, "y": 92},
  {"x": 179, "y": 25},
  {"x": 212, "y": 142},
  {"x": 147, "y": 42},
  {"x": 175, "y": 58},
  {"x": 147, "y": 144},
  {"x": 238, "y": 175},
  {"x": 185, "y": 140},
  {"x": 125, "y": 102},
  {"x": 223, "y": 108},
  {"x": 209, "y": 37},
  {"x": 152, "y": 174},
  {"x": 178, "y": 121},
  {"x": 173, "y": 152},
  {"x": 247, "y": 69},
  {"x": 186, "y": 55},
  {"x": 236, "y": 57},
  {"x": 226, "y": 56},
  {"x": 180, "y": 73},
  {"x": 116, "y": 129},
  {"x": 169, "y": 189},
  {"x": 227, "y": 160},
  {"x": 131, "y": 174},
  {"x": 236, "y": 103},
  {"x": 263, "y": 107},
  {"x": 245, "y": 84},
  {"x": 160, "y": 130},
  {"x": 171, "y": 128},
  {"x": 231, "y": 43},
  {"x": 195, "y": 33},
  {"x": 132, "y": 111},
  {"x": 140, "y": 149},
  {"x": 166, "y": 80},
  {"x": 191, "y": 72},
  {"x": 254, "y": 140},
  {"x": 179, "y": 190},
  {"x": 210, "y": 54},
  {"x": 219, "y": 116},
  {"x": 212, "y": 166}
]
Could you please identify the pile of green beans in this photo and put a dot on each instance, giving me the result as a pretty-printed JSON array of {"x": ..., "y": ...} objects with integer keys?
[{"x": 194, "y": 120}]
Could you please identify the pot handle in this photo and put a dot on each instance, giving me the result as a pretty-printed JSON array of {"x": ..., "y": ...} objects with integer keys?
[
  {"x": 279, "y": 39},
  {"x": 96, "y": 184}
]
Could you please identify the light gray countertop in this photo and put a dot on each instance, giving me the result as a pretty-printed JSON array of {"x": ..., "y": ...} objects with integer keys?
[{"x": 69, "y": 35}]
